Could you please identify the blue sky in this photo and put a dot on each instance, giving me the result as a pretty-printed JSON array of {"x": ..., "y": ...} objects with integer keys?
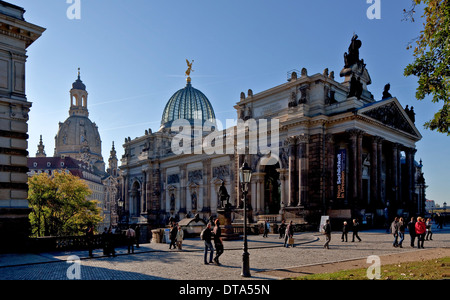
[{"x": 132, "y": 59}]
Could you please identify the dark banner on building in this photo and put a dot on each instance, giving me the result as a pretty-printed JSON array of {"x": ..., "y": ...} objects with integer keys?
[{"x": 340, "y": 170}]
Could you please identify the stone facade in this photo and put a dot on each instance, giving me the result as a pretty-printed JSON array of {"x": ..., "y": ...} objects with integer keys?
[
  {"x": 17, "y": 35},
  {"x": 339, "y": 151}
]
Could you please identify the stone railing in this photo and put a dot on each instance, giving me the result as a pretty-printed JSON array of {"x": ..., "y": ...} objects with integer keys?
[
  {"x": 68, "y": 243},
  {"x": 269, "y": 218}
]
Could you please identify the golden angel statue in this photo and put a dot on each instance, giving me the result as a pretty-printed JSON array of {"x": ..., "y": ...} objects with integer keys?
[{"x": 188, "y": 71}]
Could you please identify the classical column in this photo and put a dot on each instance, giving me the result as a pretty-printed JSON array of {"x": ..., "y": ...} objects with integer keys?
[
  {"x": 143, "y": 208},
  {"x": 394, "y": 175},
  {"x": 353, "y": 158},
  {"x": 126, "y": 196},
  {"x": 259, "y": 201},
  {"x": 183, "y": 188},
  {"x": 379, "y": 168},
  {"x": 331, "y": 154},
  {"x": 292, "y": 167},
  {"x": 206, "y": 184},
  {"x": 283, "y": 190},
  {"x": 374, "y": 169},
  {"x": 360, "y": 166},
  {"x": 410, "y": 153},
  {"x": 253, "y": 193},
  {"x": 163, "y": 198},
  {"x": 302, "y": 157}
]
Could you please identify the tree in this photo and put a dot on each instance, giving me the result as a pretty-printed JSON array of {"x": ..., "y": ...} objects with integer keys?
[
  {"x": 432, "y": 59},
  {"x": 59, "y": 205}
]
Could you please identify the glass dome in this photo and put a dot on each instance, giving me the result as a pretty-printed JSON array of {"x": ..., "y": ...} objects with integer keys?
[{"x": 189, "y": 104}]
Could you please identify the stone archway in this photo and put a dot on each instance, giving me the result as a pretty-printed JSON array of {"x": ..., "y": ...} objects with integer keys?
[
  {"x": 135, "y": 199},
  {"x": 272, "y": 192}
]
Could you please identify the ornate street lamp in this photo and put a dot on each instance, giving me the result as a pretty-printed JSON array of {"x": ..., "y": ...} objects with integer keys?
[{"x": 245, "y": 176}]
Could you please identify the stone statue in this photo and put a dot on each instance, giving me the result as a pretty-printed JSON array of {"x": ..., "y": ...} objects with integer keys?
[
  {"x": 352, "y": 57},
  {"x": 356, "y": 87},
  {"x": 386, "y": 94},
  {"x": 188, "y": 71},
  {"x": 293, "y": 100},
  {"x": 223, "y": 194},
  {"x": 412, "y": 115}
]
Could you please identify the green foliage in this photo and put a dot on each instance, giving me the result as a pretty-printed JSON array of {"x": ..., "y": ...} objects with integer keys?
[
  {"x": 59, "y": 205},
  {"x": 432, "y": 60}
]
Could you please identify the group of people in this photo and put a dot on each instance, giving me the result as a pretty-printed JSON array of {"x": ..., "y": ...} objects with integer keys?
[
  {"x": 176, "y": 235},
  {"x": 287, "y": 232},
  {"x": 346, "y": 229},
  {"x": 214, "y": 234},
  {"x": 108, "y": 239},
  {"x": 326, "y": 229},
  {"x": 420, "y": 229}
]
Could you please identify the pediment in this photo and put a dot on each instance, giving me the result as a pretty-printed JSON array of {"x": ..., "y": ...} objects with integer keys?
[{"x": 391, "y": 114}]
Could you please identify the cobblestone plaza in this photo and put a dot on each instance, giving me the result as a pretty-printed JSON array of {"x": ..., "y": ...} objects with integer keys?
[{"x": 155, "y": 261}]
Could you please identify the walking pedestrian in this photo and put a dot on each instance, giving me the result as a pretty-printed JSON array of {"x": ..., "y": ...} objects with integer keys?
[
  {"x": 282, "y": 229},
  {"x": 130, "y": 234},
  {"x": 401, "y": 231},
  {"x": 138, "y": 235},
  {"x": 394, "y": 231},
  {"x": 440, "y": 221},
  {"x": 109, "y": 243},
  {"x": 355, "y": 230},
  {"x": 420, "y": 232},
  {"x": 345, "y": 231},
  {"x": 327, "y": 232},
  {"x": 104, "y": 241},
  {"x": 90, "y": 239},
  {"x": 218, "y": 242},
  {"x": 179, "y": 238},
  {"x": 266, "y": 228},
  {"x": 206, "y": 236},
  {"x": 412, "y": 231},
  {"x": 173, "y": 236},
  {"x": 429, "y": 224},
  {"x": 289, "y": 234}
]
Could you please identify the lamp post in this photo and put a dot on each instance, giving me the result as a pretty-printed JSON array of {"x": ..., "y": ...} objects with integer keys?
[{"x": 245, "y": 176}]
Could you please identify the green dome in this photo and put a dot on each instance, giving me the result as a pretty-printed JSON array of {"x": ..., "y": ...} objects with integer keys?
[{"x": 188, "y": 104}]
